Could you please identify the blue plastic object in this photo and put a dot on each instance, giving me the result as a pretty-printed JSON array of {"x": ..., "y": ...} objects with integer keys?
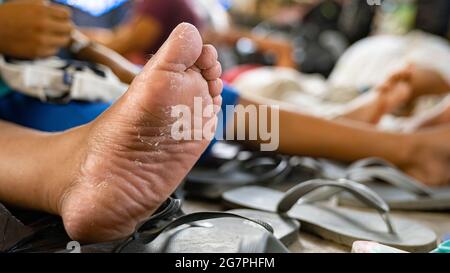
[
  {"x": 443, "y": 248},
  {"x": 94, "y": 8}
]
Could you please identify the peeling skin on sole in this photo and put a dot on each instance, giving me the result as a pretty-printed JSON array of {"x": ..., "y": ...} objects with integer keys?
[{"x": 132, "y": 163}]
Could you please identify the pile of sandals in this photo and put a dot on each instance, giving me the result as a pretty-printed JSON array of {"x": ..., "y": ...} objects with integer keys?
[{"x": 272, "y": 196}]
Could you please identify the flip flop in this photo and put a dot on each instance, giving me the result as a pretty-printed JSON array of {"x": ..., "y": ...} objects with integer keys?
[
  {"x": 337, "y": 224},
  {"x": 400, "y": 191},
  {"x": 203, "y": 232},
  {"x": 284, "y": 229},
  {"x": 45, "y": 233},
  {"x": 217, "y": 174},
  {"x": 207, "y": 232},
  {"x": 165, "y": 231},
  {"x": 12, "y": 230},
  {"x": 237, "y": 231}
]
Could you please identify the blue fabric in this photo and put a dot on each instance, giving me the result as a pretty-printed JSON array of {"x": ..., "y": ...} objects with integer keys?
[
  {"x": 229, "y": 97},
  {"x": 32, "y": 113}
]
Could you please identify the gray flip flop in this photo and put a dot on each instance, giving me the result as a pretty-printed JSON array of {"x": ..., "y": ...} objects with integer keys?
[
  {"x": 284, "y": 229},
  {"x": 338, "y": 224},
  {"x": 399, "y": 190},
  {"x": 209, "y": 232},
  {"x": 12, "y": 230}
]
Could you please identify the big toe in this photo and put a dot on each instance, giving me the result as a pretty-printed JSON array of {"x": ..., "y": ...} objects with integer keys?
[{"x": 181, "y": 50}]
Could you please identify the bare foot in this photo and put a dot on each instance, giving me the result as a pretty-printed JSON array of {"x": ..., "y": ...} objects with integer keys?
[
  {"x": 429, "y": 160},
  {"x": 439, "y": 115},
  {"x": 130, "y": 163},
  {"x": 386, "y": 98}
]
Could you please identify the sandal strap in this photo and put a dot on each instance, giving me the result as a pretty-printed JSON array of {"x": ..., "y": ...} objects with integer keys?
[
  {"x": 279, "y": 168},
  {"x": 189, "y": 219},
  {"x": 370, "y": 168},
  {"x": 10, "y": 226},
  {"x": 361, "y": 192},
  {"x": 370, "y": 162},
  {"x": 169, "y": 209}
]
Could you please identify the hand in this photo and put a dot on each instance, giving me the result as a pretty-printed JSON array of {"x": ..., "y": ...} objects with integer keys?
[{"x": 33, "y": 28}]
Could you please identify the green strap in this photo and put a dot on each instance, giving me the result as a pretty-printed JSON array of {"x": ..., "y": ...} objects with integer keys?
[
  {"x": 443, "y": 248},
  {"x": 4, "y": 89}
]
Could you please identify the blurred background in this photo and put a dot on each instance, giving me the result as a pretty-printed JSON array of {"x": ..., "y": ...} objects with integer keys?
[{"x": 309, "y": 35}]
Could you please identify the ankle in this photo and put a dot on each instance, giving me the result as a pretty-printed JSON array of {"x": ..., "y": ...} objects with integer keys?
[
  {"x": 70, "y": 146},
  {"x": 414, "y": 148},
  {"x": 409, "y": 146}
]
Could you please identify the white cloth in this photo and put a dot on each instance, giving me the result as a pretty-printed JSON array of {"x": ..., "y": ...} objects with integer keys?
[
  {"x": 292, "y": 89},
  {"x": 365, "y": 64},
  {"x": 45, "y": 79},
  {"x": 370, "y": 61}
]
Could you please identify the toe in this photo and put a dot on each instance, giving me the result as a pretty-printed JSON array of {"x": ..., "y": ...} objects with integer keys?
[
  {"x": 181, "y": 50},
  {"x": 212, "y": 73},
  {"x": 217, "y": 101},
  {"x": 215, "y": 87},
  {"x": 208, "y": 57}
]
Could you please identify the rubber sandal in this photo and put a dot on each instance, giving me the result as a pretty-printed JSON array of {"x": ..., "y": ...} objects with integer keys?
[
  {"x": 11, "y": 230},
  {"x": 215, "y": 232},
  {"x": 168, "y": 230},
  {"x": 216, "y": 174},
  {"x": 46, "y": 233},
  {"x": 284, "y": 229},
  {"x": 207, "y": 232},
  {"x": 400, "y": 191},
  {"x": 341, "y": 225}
]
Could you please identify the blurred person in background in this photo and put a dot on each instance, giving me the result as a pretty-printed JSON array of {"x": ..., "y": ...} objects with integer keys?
[
  {"x": 365, "y": 65},
  {"x": 316, "y": 140},
  {"x": 25, "y": 37},
  {"x": 151, "y": 21},
  {"x": 148, "y": 26}
]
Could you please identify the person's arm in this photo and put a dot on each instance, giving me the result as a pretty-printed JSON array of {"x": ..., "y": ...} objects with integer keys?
[
  {"x": 422, "y": 154},
  {"x": 302, "y": 134},
  {"x": 96, "y": 53},
  {"x": 283, "y": 50},
  {"x": 139, "y": 34}
]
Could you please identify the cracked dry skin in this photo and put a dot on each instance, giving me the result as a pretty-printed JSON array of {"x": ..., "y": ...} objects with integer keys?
[{"x": 130, "y": 163}]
